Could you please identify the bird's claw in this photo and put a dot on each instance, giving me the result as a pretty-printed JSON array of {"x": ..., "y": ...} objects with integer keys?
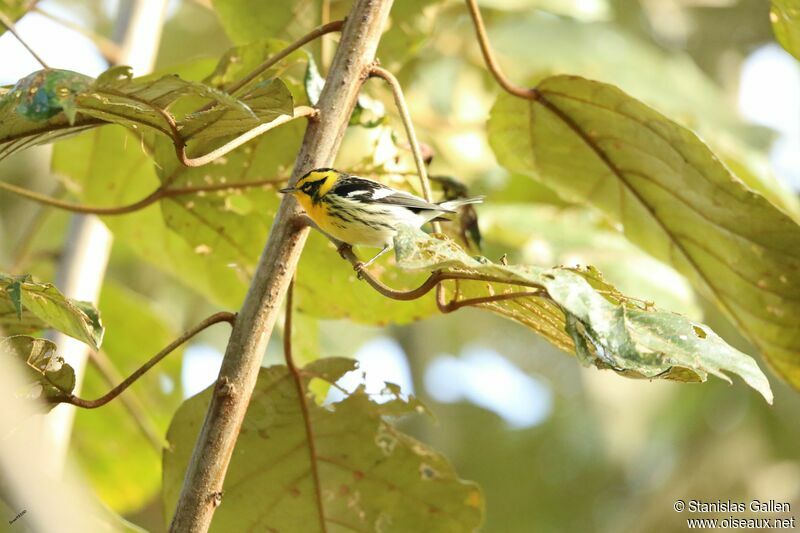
[{"x": 359, "y": 268}]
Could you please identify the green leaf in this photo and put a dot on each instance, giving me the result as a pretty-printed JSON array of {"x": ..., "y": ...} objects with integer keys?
[
  {"x": 51, "y": 104},
  {"x": 27, "y": 306},
  {"x": 108, "y": 167},
  {"x": 50, "y": 376},
  {"x": 578, "y": 311},
  {"x": 249, "y": 20},
  {"x": 369, "y": 475},
  {"x": 592, "y": 143},
  {"x": 785, "y": 18}
]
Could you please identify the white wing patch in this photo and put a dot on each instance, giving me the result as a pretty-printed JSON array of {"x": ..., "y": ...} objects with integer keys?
[
  {"x": 383, "y": 192},
  {"x": 362, "y": 192}
]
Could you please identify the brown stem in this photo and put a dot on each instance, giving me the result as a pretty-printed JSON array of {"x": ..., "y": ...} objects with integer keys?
[
  {"x": 212, "y": 453},
  {"x": 116, "y": 391},
  {"x": 455, "y": 304},
  {"x": 301, "y": 397},
  {"x": 160, "y": 193},
  {"x": 433, "y": 280},
  {"x": 9, "y": 24},
  {"x": 319, "y": 31},
  {"x": 419, "y": 160},
  {"x": 491, "y": 62},
  {"x": 405, "y": 117}
]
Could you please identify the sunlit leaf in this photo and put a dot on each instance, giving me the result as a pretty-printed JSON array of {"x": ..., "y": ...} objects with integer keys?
[
  {"x": 232, "y": 232},
  {"x": 785, "y": 18},
  {"x": 27, "y": 306},
  {"x": 14, "y": 10},
  {"x": 593, "y": 143},
  {"x": 50, "y": 377},
  {"x": 108, "y": 167},
  {"x": 353, "y": 470},
  {"x": 578, "y": 311}
]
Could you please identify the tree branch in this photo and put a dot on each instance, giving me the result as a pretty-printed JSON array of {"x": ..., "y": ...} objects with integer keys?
[
  {"x": 202, "y": 486},
  {"x": 160, "y": 193},
  {"x": 489, "y": 59},
  {"x": 116, "y": 391}
]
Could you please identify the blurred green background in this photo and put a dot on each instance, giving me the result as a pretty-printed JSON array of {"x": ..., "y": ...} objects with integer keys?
[{"x": 556, "y": 447}]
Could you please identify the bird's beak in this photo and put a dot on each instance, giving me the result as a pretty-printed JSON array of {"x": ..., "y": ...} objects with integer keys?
[{"x": 287, "y": 190}]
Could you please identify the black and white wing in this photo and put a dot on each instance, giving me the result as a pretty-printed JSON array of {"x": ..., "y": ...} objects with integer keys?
[{"x": 370, "y": 191}]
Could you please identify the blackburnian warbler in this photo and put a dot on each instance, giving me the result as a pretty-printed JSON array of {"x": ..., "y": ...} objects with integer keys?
[{"x": 361, "y": 211}]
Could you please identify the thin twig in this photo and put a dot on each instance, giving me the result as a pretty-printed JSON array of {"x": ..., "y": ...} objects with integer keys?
[
  {"x": 405, "y": 117},
  {"x": 455, "y": 305},
  {"x": 164, "y": 191},
  {"x": 9, "y": 24},
  {"x": 230, "y": 318},
  {"x": 419, "y": 160},
  {"x": 491, "y": 62},
  {"x": 301, "y": 397},
  {"x": 319, "y": 31},
  {"x": 110, "y": 50}
]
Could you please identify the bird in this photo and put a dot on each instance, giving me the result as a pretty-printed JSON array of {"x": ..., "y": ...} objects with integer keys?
[{"x": 361, "y": 211}]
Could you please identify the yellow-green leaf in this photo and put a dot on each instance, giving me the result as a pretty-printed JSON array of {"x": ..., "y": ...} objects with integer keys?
[
  {"x": 351, "y": 470},
  {"x": 27, "y": 306},
  {"x": 578, "y": 311},
  {"x": 50, "y": 377},
  {"x": 785, "y": 18},
  {"x": 594, "y": 144}
]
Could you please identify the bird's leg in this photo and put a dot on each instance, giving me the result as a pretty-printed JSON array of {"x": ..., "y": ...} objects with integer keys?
[
  {"x": 362, "y": 266},
  {"x": 343, "y": 248}
]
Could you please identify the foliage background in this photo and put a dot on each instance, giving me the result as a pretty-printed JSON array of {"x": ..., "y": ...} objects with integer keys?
[{"x": 559, "y": 446}]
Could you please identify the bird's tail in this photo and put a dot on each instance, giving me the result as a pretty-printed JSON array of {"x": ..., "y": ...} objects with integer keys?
[{"x": 452, "y": 205}]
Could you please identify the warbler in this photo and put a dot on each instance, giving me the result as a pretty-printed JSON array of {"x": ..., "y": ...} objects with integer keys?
[{"x": 361, "y": 211}]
